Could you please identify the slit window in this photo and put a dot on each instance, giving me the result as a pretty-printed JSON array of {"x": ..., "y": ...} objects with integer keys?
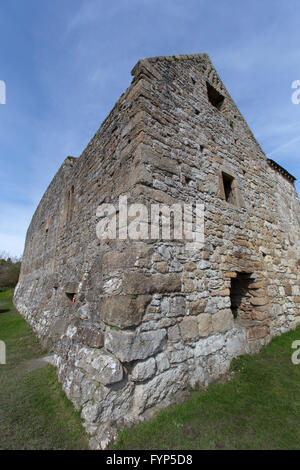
[
  {"x": 70, "y": 204},
  {"x": 214, "y": 97},
  {"x": 71, "y": 296},
  {"x": 229, "y": 188}
]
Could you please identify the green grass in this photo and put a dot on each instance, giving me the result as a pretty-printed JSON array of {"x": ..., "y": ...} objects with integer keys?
[
  {"x": 258, "y": 409},
  {"x": 34, "y": 411}
]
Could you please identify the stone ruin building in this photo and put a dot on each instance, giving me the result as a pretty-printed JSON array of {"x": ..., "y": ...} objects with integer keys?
[{"x": 134, "y": 323}]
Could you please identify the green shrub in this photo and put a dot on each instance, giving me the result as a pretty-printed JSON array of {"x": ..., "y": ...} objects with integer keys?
[{"x": 9, "y": 272}]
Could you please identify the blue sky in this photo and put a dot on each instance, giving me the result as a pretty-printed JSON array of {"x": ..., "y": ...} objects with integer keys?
[{"x": 66, "y": 62}]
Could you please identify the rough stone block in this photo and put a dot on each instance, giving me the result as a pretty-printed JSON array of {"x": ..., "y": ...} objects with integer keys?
[
  {"x": 161, "y": 267},
  {"x": 257, "y": 332},
  {"x": 174, "y": 333},
  {"x": 139, "y": 283},
  {"x": 120, "y": 260},
  {"x": 205, "y": 324},
  {"x": 129, "y": 346},
  {"x": 222, "y": 321},
  {"x": 177, "y": 307},
  {"x": 162, "y": 362},
  {"x": 210, "y": 345},
  {"x": 165, "y": 384},
  {"x": 189, "y": 328},
  {"x": 109, "y": 370},
  {"x": 190, "y": 266},
  {"x": 143, "y": 370},
  {"x": 236, "y": 343},
  {"x": 181, "y": 355},
  {"x": 91, "y": 337},
  {"x": 123, "y": 311},
  {"x": 198, "y": 307},
  {"x": 259, "y": 301}
]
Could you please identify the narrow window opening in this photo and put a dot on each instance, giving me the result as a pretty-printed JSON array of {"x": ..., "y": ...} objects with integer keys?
[
  {"x": 70, "y": 204},
  {"x": 240, "y": 296},
  {"x": 71, "y": 296},
  {"x": 214, "y": 97},
  {"x": 228, "y": 188}
]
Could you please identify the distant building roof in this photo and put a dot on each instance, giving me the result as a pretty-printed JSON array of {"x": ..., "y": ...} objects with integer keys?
[{"x": 281, "y": 170}]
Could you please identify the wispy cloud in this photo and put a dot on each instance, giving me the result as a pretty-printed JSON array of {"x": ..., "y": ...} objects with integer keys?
[{"x": 285, "y": 146}]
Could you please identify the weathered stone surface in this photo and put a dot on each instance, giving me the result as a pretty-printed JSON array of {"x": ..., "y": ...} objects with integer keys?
[
  {"x": 102, "y": 367},
  {"x": 138, "y": 283},
  {"x": 165, "y": 384},
  {"x": 120, "y": 260},
  {"x": 198, "y": 307},
  {"x": 71, "y": 287},
  {"x": 162, "y": 362},
  {"x": 189, "y": 328},
  {"x": 181, "y": 355},
  {"x": 84, "y": 312},
  {"x": 127, "y": 346},
  {"x": 259, "y": 301},
  {"x": 260, "y": 315},
  {"x": 210, "y": 345},
  {"x": 189, "y": 285},
  {"x": 190, "y": 266},
  {"x": 257, "y": 332},
  {"x": 177, "y": 307},
  {"x": 123, "y": 311},
  {"x": 143, "y": 370},
  {"x": 109, "y": 369},
  {"x": 174, "y": 333},
  {"x": 91, "y": 337},
  {"x": 222, "y": 321},
  {"x": 236, "y": 343},
  {"x": 161, "y": 267},
  {"x": 255, "y": 285},
  {"x": 205, "y": 324}
]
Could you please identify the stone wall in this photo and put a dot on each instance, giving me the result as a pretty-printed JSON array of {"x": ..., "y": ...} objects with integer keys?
[{"x": 134, "y": 323}]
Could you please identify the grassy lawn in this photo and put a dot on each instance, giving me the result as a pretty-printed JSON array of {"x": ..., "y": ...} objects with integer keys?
[
  {"x": 34, "y": 411},
  {"x": 258, "y": 409}
]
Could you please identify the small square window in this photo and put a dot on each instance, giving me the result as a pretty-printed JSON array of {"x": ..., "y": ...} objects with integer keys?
[{"x": 214, "y": 97}]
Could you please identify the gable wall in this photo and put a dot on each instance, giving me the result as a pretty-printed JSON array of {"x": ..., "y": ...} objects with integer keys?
[{"x": 151, "y": 317}]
